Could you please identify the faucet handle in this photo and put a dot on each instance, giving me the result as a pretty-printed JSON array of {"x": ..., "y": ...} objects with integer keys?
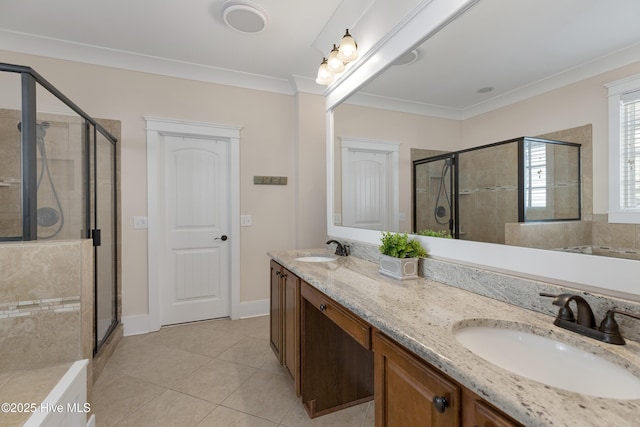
[
  {"x": 635, "y": 316},
  {"x": 544, "y": 294},
  {"x": 609, "y": 327},
  {"x": 565, "y": 312}
]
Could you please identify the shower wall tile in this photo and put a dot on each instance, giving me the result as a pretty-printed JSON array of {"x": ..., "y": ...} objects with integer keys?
[
  {"x": 619, "y": 236},
  {"x": 37, "y": 341},
  {"x": 46, "y": 303},
  {"x": 33, "y": 271},
  {"x": 583, "y": 136}
]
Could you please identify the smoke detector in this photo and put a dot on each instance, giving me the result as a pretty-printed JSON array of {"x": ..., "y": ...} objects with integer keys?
[{"x": 244, "y": 16}]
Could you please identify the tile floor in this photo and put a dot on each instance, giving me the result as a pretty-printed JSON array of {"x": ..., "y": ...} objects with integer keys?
[{"x": 219, "y": 373}]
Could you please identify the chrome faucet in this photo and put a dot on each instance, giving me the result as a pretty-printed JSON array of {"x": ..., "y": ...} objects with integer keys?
[
  {"x": 585, "y": 324},
  {"x": 341, "y": 250}
]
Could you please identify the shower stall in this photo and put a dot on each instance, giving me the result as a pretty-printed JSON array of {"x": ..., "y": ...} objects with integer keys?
[
  {"x": 473, "y": 193},
  {"x": 58, "y": 179}
]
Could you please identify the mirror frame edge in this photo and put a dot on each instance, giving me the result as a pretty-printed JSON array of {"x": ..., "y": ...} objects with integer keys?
[{"x": 611, "y": 276}]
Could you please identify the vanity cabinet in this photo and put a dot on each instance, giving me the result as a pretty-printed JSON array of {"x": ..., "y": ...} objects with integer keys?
[
  {"x": 484, "y": 415},
  {"x": 275, "y": 310},
  {"x": 336, "y": 359},
  {"x": 408, "y": 392},
  {"x": 285, "y": 320}
]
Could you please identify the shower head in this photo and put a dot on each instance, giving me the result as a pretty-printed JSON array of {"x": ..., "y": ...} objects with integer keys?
[{"x": 41, "y": 129}]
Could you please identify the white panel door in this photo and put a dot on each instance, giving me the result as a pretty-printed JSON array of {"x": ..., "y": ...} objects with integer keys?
[
  {"x": 365, "y": 191},
  {"x": 196, "y": 277}
]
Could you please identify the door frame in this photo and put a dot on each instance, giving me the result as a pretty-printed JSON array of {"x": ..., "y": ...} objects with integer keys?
[{"x": 156, "y": 128}]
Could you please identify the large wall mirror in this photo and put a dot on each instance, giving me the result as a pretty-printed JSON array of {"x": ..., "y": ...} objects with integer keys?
[{"x": 490, "y": 71}]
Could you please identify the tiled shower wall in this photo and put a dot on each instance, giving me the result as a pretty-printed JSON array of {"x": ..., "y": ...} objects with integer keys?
[
  {"x": 46, "y": 304},
  {"x": 10, "y": 174},
  {"x": 593, "y": 234},
  {"x": 64, "y": 147}
]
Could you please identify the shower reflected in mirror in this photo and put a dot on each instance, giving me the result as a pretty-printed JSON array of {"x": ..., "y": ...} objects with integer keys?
[{"x": 47, "y": 216}]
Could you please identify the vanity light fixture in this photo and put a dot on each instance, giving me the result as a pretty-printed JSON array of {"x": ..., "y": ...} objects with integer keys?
[
  {"x": 348, "y": 50},
  {"x": 337, "y": 60},
  {"x": 325, "y": 76},
  {"x": 336, "y": 65}
]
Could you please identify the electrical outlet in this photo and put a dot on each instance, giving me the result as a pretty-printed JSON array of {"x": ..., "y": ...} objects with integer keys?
[
  {"x": 246, "y": 220},
  {"x": 139, "y": 222}
]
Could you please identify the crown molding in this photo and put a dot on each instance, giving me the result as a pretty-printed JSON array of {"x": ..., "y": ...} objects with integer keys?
[{"x": 89, "y": 54}]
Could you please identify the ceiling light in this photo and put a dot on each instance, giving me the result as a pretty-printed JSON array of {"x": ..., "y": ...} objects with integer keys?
[
  {"x": 325, "y": 76},
  {"x": 336, "y": 65},
  {"x": 244, "y": 16},
  {"x": 348, "y": 50}
]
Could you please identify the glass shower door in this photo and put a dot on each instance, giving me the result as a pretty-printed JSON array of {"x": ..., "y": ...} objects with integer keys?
[{"x": 104, "y": 233}]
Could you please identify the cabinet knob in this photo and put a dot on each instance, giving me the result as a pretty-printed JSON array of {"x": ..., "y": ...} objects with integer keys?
[
  {"x": 278, "y": 273},
  {"x": 440, "y": 403},
  {"x": 323, "y": 307}
]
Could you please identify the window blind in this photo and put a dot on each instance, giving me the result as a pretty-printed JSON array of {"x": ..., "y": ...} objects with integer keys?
[
  {"x": 630, "y": 150},
  {"x": 536, "y": 174}
]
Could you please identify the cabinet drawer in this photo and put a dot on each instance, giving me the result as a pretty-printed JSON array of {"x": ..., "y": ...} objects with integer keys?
[{"x": 353, "y": 326}]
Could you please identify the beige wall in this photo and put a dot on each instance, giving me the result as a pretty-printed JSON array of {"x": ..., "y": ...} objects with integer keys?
[{"x": 272, "y": 124}]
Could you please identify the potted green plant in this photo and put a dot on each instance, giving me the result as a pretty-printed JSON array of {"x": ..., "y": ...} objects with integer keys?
[
  {"x": 399, "y": 256},
  {"x": 434, "y": 233}
]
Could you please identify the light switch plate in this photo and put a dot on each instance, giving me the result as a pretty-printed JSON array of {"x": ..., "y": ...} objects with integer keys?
[{"x": 246, "y": 220}]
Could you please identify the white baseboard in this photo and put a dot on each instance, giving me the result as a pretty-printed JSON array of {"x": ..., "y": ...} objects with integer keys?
[
  {"x": 253, "y": 308},
  {"x": 139, "y": 323},
  {"x": 135, "y": 325}
]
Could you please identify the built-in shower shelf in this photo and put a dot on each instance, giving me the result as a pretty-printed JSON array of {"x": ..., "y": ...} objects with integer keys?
[{"x": 5, "y": 184}]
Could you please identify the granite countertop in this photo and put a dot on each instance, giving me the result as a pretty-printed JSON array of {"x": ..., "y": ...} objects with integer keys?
[{"x": 423, "y": 315}]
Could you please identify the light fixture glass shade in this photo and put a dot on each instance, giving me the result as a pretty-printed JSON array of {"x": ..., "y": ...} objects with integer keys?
[
  {"x": 348, "y": 50},
  {"x": 325, "y": 76},
  {"x": 335, "y": 64}
]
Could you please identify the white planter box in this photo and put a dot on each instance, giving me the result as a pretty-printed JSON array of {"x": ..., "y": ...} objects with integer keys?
[{"x": 399, "y": 268}]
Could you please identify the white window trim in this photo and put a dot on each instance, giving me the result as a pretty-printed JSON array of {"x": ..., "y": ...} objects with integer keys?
[{"x": 616, "y": 90}]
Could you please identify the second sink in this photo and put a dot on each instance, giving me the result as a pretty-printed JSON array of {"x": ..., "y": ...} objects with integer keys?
[
  {"x": 550, "y": 362},
  {"x": 316, "y": 258}
]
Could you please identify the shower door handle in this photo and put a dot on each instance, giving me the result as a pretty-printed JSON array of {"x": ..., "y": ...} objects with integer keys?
[{"x": 223, "y": 238}]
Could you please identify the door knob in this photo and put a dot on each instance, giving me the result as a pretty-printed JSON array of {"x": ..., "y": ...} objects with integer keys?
[{"x": 223, "y": 238}]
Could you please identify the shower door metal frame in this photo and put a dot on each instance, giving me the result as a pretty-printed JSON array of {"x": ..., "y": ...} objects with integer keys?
[
  {"x": 455, "y": 177},
  {"x": 29, "y": 78}
]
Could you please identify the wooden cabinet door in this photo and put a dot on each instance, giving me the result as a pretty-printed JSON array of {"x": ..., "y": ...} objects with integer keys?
[
  {"x": 486, "y": 416},
  {"x": 405, "y": 388},
  {"x": 275, "y": 310},
  {"x": 291, "y": 326}
]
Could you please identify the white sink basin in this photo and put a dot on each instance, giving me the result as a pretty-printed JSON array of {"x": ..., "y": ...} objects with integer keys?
[
  {"x": 550, "y": 362},
  {"x": 315, "y": 259}
]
